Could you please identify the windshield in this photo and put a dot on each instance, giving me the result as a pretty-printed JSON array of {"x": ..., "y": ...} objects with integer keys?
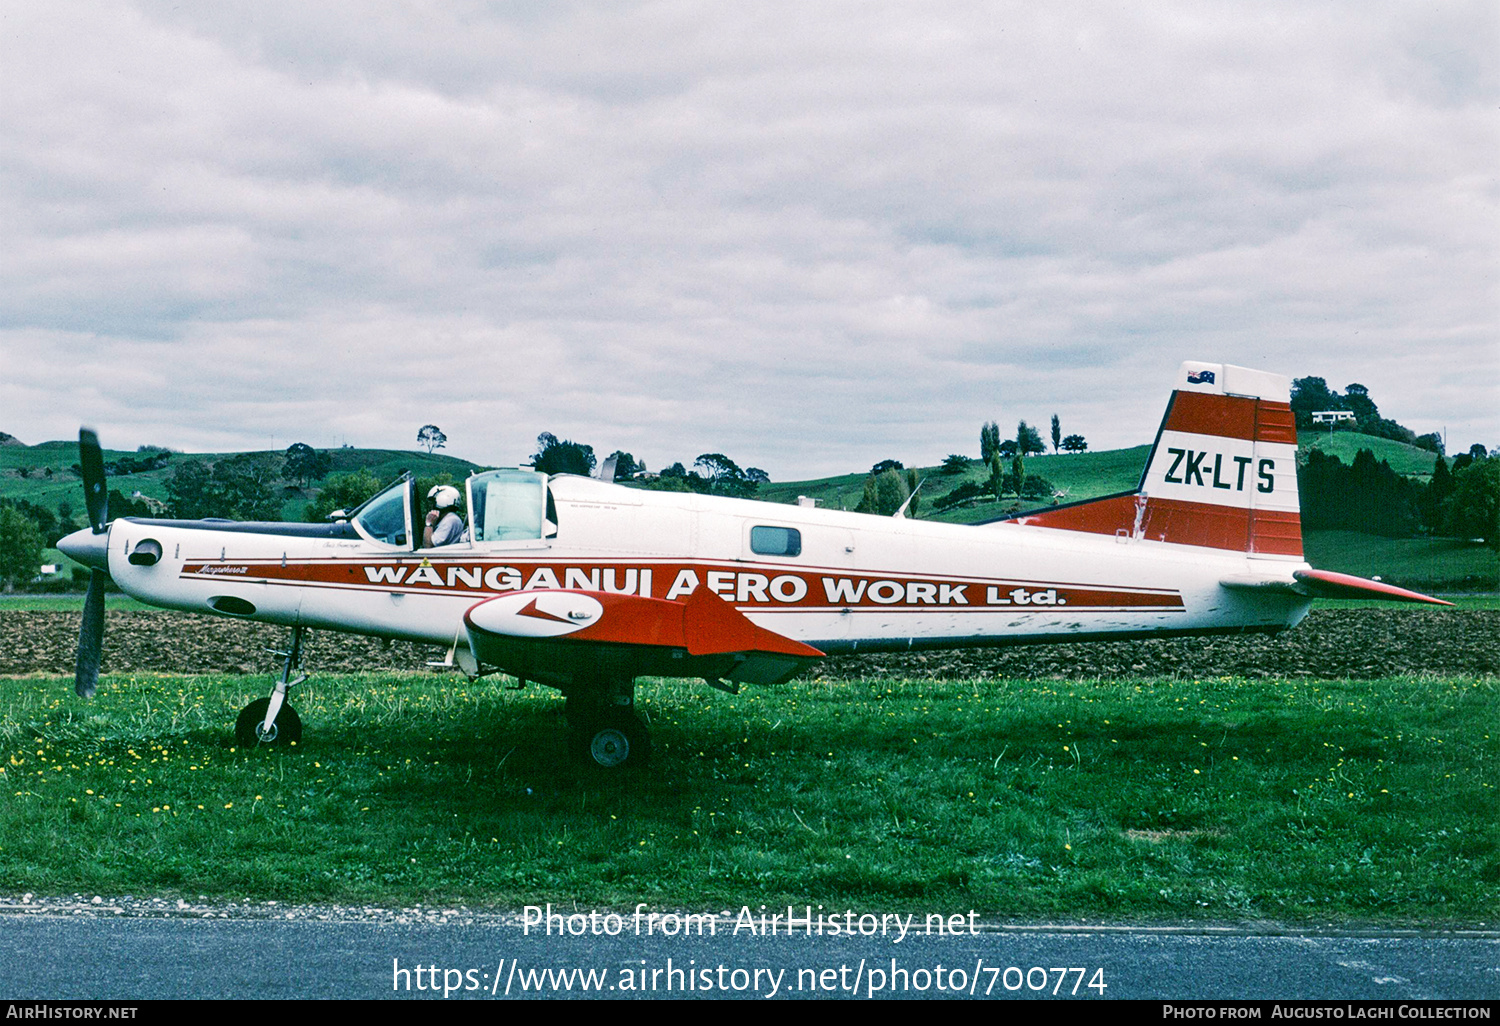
[{"x": 384, "y": 518}]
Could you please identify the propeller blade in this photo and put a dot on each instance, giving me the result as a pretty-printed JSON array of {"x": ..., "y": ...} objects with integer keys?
[
  {"x": 91, "y": 636},
  {"x": 95, "y": 492}
]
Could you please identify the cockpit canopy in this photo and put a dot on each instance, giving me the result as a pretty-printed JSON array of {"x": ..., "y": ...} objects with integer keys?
[{"x": 504, "y": 506}]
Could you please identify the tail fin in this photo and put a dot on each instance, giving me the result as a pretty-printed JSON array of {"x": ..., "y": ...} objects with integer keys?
[{"x": 1222, "y": 474}]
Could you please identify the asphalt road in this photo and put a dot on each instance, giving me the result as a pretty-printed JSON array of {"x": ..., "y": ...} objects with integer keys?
[{"x": 56, "y": 955}]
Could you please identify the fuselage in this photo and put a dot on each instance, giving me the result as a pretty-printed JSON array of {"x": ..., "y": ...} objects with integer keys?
[{"x": 835, "y": 580}]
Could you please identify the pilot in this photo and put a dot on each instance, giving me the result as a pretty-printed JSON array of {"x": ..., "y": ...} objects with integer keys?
[{"x": 445, "y": 525}]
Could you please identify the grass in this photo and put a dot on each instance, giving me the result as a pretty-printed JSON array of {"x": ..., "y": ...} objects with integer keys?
[
  {"x": 1404, "y": 459},
  {"x": 1080, "y": 475},
  {"x": 67, "y": 603},
  {"x": 1117, "y": 800},
  {"x": 1422, "y": 563},
  {"x": 1463, "y": 600}
]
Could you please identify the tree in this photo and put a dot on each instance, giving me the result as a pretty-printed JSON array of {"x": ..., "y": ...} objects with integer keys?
[
  {"x": 1056, "y": 434},
  {"x": 341, "y": 491},
  {"x": 884, "y": 465},
  {"x": 1018, "y": 470},
  {"x": 430, "y": 437},
  {"x": 304, "y": 463},
  {"x": 237, "y": 487},
  {"x": 964, "y": 492},
  {"x": 953, "y": 463},
  {"x": 1312, "y": 395},
  {"x": 723, "y": 475},
  {"x": 189, "y": 492},
  {"x": 1028, "y": 439},
  {"x": 1074, "y": 443},
  {"x": 245, "y": 487},
  {"x": 1474, "y": 507},
  {"x": 756, "y": 475},
  {"x": 1368, "y": 497},
  {"x": 884, "y": 493},
  {"x": 890, "y": 491},
  {"x": 1434, "y": 498},
  {"x": 989, "y": 440},
  {"x": 562, "y": 457},
  {"x": 913, "y": 479},
  {"x": 997, "y": 475},
  {"x": 625, "y": 465},
  {"x": 20, "y": 548},
  {"x": 1432, "y": 442},
  {"x": 1357, "y": 399}
]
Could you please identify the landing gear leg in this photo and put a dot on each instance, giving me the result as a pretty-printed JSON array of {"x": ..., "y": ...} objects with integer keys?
[
  {"x": 270, "y": 721},
  {"x": 603, "y": 728}
]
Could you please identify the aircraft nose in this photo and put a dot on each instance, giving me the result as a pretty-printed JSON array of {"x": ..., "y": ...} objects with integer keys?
[{"x": 86, "y": 547}]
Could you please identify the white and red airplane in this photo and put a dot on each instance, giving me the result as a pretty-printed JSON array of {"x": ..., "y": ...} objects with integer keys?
[{"x": 585, "y": 585}]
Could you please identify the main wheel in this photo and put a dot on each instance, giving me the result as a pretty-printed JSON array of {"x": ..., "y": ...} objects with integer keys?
[
  {"x": 612, "y": 739},
  {"x": 285, "y": 731}
]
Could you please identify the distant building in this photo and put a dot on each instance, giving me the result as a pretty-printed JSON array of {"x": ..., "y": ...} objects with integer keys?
[{"x": 1331, "y": 417}]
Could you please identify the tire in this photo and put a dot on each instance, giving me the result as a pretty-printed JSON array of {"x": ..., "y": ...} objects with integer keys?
[
  {"x": 611, "y": 740},
  {"x": 287, "y": 730}
]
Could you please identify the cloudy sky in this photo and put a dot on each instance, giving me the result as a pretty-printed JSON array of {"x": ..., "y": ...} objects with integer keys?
[{"x": 807, "y": 235}]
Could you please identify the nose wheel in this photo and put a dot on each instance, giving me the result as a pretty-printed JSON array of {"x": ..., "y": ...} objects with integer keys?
[
  {"x": 271, "y": 721},
  {"x": 250, "y": 729}
]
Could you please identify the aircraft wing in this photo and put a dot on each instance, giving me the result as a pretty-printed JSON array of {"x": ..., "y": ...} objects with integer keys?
[{"x": 559, "y": 636}]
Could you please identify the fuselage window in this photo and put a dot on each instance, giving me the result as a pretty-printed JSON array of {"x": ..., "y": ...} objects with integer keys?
[{"x": 775, "y": 541}]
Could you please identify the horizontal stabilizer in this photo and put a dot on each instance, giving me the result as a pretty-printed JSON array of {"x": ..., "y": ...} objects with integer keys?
[{"x": 1327, "y": 584}]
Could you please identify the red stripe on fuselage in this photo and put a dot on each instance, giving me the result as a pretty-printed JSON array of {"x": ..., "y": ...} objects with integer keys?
[{"x": 748, "y": 587}]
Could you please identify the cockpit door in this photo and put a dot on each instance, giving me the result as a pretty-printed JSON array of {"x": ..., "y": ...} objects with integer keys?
[{"x": 388, "y": 518}]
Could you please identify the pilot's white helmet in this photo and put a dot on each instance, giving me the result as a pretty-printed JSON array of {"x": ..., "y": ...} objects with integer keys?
[{"x": 444, "y": 497}]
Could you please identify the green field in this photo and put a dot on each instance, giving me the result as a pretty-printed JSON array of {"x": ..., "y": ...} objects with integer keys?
[
  {"x": 1407, "y": 460},
  {"x": 67, "y": 603},
  {"x": 1427, "y": 564},
  {"x": 1117, "y": 800},
  {"x": 1081, "y": 476},
  {"x": 1077, "y": 476}
]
